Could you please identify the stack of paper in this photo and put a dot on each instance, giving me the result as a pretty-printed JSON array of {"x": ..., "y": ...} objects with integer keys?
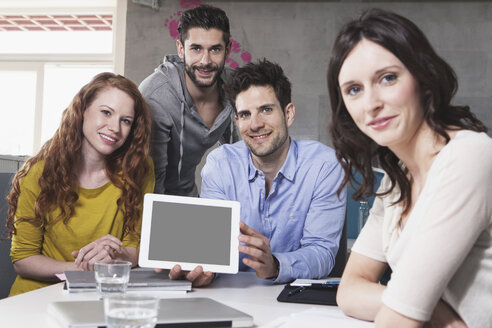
[{"x": 318, "y": 317}]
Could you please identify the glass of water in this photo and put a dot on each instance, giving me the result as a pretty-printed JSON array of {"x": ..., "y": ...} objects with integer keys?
[
  {"x": 131, "y": 311},
  {"x": 112, "y": 277}
]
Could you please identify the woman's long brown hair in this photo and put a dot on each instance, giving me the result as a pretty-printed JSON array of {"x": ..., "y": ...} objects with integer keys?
[
  {"x": 127, "y": 167},
  {"x": 437, "y": 82}
]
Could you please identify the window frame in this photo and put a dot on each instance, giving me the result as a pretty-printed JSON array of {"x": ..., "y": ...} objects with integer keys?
[{"x": 36, "y": 62}]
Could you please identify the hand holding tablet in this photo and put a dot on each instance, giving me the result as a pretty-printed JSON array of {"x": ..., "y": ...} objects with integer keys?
[
  {"x": 260, "y": 254},
  {"x": 197, "y": 276}
]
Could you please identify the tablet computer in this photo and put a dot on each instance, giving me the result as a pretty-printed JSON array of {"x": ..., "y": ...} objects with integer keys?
[{"x": 189, "y": 231}]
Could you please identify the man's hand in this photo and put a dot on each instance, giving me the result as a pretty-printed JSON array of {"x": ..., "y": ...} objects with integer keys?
[
  {"x": 258, "y": 248},
  {"x": 197, "y": 276},
  {"x": 445, "y": 317},
  {"x": 102, "y": 249}
]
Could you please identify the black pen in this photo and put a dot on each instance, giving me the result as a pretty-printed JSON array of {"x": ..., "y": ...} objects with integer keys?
[{"x": 296, "y": 291}]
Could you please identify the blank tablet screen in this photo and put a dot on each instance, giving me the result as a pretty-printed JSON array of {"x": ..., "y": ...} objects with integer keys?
[{"x": 190, "y": 233}]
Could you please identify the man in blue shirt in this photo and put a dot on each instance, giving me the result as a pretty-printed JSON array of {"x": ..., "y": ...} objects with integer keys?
[{"x": 291, "y": 215}]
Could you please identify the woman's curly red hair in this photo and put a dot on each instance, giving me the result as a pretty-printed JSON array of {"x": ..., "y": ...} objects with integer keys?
[{"x": 127, "y": 167}]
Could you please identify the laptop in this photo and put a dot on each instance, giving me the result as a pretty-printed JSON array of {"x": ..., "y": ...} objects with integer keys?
[{"x": 173, "y": 312}]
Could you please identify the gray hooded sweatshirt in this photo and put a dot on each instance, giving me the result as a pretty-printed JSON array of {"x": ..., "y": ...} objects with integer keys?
[{"x": 180, "y": 137}]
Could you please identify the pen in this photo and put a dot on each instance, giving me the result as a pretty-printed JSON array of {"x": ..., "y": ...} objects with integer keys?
[
  {"x": 325, "y": 285},
  {"x": 296, "y": 291}
]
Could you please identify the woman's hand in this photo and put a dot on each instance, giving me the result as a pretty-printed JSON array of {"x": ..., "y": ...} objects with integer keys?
[{"x": 103, "y": 249}]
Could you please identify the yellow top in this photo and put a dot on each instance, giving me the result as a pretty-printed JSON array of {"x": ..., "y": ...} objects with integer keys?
[{"x": 96, "y": 215}]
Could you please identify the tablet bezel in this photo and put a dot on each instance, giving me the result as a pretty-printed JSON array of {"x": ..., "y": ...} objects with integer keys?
[{"x": 150, "y": 199}]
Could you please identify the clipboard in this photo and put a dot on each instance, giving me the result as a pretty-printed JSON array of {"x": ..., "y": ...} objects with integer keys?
[{"x": 309, "y": 295}]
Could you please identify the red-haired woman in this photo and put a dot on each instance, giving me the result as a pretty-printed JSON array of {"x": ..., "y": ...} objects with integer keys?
[{"x": 79, "y": 200}]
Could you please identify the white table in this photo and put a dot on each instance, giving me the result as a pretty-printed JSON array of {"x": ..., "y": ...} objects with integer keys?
[{"x": 243, "y": 291}]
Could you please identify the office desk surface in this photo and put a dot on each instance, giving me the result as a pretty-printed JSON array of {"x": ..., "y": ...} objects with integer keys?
[{"x": 243, "y": 291}]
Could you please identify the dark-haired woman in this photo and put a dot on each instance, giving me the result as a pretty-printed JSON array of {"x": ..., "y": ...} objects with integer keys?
[
  {"x": 79, "y": 199},
  {"x": 432, "y": 218}
]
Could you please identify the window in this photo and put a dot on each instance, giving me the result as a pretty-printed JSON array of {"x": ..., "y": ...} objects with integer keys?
[
  {"x": 17, "y": 124},
  {"x": 61, "y": 83},
  {"x": 47, "y": 55}
]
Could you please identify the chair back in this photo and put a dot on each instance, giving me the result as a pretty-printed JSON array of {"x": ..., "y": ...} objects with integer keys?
[
  {"x": 341, "y": 258},
  {"x": 7, "y": 273},
  {"x": 350, "y": 228}
]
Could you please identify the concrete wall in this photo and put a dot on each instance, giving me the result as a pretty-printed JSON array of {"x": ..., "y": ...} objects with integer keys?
[{"x": 298, "y": 35}]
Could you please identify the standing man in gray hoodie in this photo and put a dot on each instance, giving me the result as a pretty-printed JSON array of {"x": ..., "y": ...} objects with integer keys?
[{"x": 190, "y": 110}]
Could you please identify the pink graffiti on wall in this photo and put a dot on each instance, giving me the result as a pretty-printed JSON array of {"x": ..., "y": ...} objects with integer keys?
[
  {"x": 188, "y": 4},
  {"x": 172, "y": 23}
]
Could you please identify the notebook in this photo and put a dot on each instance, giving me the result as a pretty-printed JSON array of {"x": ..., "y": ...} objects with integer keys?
[
  {"x": 173, "y": 312},
  {"x": 139, "y": 280}
]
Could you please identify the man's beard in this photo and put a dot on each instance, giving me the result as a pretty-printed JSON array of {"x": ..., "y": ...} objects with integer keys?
[
  {"x": 190, "y": 70},
  {"x": 276, "y": 143}
]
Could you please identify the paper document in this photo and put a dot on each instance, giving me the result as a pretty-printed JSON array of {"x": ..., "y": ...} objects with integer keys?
[
  {"x": 309, "y": 282},
  {"x": 61, "y": 276},
  {"x": 318, "y": 317}
]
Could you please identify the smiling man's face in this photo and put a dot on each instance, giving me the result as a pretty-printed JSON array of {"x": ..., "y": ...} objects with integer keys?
[
  {"x": 204, "y": 53},
  {"x": 262, "y": 122}
]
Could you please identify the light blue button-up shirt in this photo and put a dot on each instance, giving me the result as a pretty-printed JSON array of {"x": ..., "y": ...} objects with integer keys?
[{"x": 302, "y": 216}]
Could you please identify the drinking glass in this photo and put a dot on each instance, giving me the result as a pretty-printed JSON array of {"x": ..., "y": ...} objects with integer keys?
[
  {"x": 112, "y": 277},
  {"x": 131, "y": 311},
  {"x": 363, "y": 214}
]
